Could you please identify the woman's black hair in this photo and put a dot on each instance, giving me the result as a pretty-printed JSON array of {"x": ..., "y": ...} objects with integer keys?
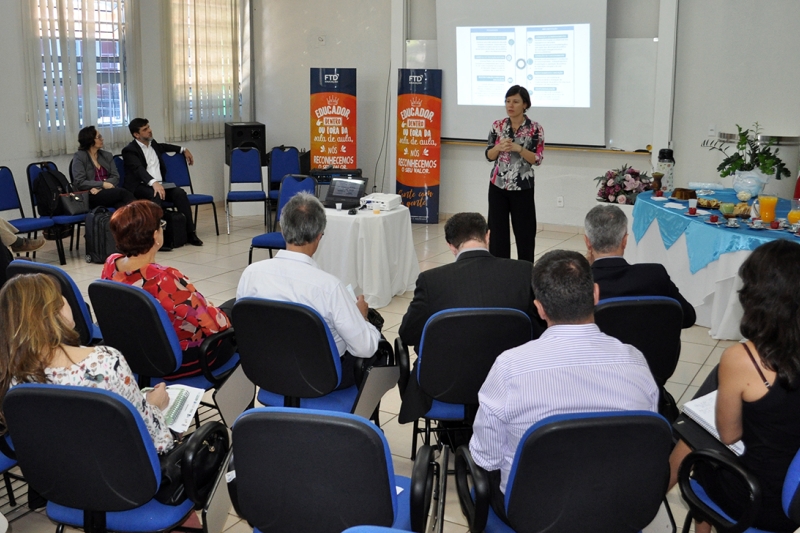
[
  {"x": 770, "y": 297},
  {"x": 522, "y": 92},
  {"x": 86, "y": 137}
]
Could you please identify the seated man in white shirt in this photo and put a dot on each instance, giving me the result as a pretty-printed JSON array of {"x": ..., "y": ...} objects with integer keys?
[
  {"x": 293, "y": 276},
  {"x": 571, "y": 368}
]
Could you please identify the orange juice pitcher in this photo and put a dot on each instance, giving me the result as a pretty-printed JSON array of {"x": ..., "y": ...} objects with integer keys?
[{"x": 766, "y": 206}]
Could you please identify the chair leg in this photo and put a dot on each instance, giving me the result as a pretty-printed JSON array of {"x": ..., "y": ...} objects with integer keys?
[
  {"x": 216, "y": 224},
  {"x": 196, "y": 207},
  {"x": 414, "y": 437},
  {"x": 78, "y": 238},
  {"x": 60, "y": 528},
  {"x": 688, "y": 522},
  {"x": 267, "y": 218},
  {"x": 228, "y": 216},
  {"x": 270, "y": 252},
  {"x": 9, "y": 489},
  {"x": 250, "y": 257},
  {"x": 71, "y": 237},
  {"x": 60, "y": 247}
]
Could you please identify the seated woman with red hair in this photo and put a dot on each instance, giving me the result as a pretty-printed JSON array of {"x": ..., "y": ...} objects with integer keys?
[{"x": 139, "y": 234}]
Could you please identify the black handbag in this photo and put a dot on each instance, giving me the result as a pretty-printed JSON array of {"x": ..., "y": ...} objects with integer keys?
[
  {"x": 190, "y": 468},
  {"x": 74, "y": 203}
]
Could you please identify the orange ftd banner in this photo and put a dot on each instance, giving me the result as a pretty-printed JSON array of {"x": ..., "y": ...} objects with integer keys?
[{"x": 333, "y": 118}]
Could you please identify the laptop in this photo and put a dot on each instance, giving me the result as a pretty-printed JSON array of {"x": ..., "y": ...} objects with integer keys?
[
  {"x": 347, "y": 191},
  {"x": 324, "y": 177}
]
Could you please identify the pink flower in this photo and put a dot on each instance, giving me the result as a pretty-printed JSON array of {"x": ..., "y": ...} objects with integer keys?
[
  {"x": 610, "y": 182},
  {"x": 630, "y": 183},
  {"x": 612, "y": 198},
  {"x": 610, "y": 175},
  {"x": 631, "y": 171},
  {"x": 621, "y": 199},
  {"x": 617, "y": 188}
]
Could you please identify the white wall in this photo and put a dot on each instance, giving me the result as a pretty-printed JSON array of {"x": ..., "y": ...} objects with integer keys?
[{"x": 17, "y": 140}]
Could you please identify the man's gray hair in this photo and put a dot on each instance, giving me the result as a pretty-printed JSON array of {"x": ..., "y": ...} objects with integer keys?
[
  {"x": 605, "y": 227},
  {"x": 302, "y": 219}
]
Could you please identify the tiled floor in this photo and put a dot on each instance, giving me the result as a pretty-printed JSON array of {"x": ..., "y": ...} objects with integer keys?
[{"x": 215, "y": 269}]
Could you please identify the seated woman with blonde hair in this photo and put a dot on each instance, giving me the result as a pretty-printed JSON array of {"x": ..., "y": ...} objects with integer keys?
[
  {"x": 139, "y": 234},
  {"x": 38, "y": 344}
]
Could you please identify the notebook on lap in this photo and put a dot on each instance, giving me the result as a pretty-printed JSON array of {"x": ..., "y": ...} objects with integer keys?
[{"x": 347, "y": 191}]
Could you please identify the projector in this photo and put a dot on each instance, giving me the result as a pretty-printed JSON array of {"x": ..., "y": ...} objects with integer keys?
[{"x": 382, "y": 201}]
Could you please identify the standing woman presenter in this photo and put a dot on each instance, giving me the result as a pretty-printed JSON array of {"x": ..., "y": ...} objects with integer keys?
[{"x": 516, "y": 144}]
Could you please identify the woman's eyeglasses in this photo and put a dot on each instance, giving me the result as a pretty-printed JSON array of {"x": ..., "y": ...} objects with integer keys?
[{"x": 163, "y": 224}]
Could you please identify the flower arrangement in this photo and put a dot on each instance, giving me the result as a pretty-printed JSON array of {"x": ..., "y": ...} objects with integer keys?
[
  {"x": 622, "y": 185},
  {"x": 750, "y": 154}
]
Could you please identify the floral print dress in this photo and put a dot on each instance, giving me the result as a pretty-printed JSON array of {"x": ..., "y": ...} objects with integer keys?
[
  {"x": 105, "y": 368},
  {"x": 511, "y": 172},
  {"x": 192, "y": 318}
]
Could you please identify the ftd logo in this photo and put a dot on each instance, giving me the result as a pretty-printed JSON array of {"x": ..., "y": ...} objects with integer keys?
[
  {"x": 331, "y": 78},
  {"x": 415, "y": 80}
]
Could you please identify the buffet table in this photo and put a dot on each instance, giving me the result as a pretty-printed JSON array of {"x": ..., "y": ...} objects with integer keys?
[
  {"x": 702, "y": 259},
  {"x": 373, "y": 253}
]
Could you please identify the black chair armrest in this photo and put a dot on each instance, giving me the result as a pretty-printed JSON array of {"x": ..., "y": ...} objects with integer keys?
[
  {"x": 218, "y": 341},
  {"x": 401, "y": 354},
  {"x": 422, "y": 478},
  {"x": 5, "y": 448},
  {"x": 384, "y": 356},
  {"x": 705, "y": 513},
  {"x": 476, "y": 511},
  {"x": 204, "y": 455}
]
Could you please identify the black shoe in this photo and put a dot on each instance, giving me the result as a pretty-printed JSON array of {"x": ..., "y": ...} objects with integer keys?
[
  {"x": 165, "y": 249},
  {"x": 195, "y": 241}
]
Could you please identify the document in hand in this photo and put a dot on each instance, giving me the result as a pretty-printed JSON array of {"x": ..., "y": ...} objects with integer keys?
[
  {"x": 702, "y": 411},
  {"x": 183, "y": 404}
]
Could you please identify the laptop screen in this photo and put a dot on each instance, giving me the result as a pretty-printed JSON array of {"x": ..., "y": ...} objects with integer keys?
[{"x": 346, "y": 188}]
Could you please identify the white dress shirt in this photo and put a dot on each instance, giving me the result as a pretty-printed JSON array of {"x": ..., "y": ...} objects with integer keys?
[
  {"x": 153, "y": 163},
  {"x": 295, "y": 277},
  {"x": 569, "y": 369}
]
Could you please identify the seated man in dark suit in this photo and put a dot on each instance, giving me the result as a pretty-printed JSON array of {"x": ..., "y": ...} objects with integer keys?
[
  {"x": 606, "y": 235},
  {"x": 145, "y": 172},
  {"x": 476, "y": 279}
]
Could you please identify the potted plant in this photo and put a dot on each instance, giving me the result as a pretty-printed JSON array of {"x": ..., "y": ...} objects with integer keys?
[
  {"x": 750, "y": 155},
  {"x": 622, "y": 185}
]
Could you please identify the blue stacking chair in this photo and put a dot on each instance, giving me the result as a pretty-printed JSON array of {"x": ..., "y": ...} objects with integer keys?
[
  {"x": 120, "y": 163},
  {"x": 137, "y": 325},
  {"x": 457, "y": 349},
  {"x": 370, "y": 529},
  {"x": 88, "y": 452},
  {"x": 283, "y": 160},
  {"x": 9, "y": 200},
  {"x": 576, "y": 472},
  {"x": 178, "y": 173},
  {"x": 297, "y": 364},
  {"x": 310, "y": 470},
  {"x": 290, "y": 185},
  {"x": 245, "y": 168},
  {"x": 89, "y": 331},
  {"x": 33, "y": 171},
  {"x": 702, "y": 507}
]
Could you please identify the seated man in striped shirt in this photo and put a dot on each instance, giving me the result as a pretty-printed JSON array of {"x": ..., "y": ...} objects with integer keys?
[{"x": 571, "y": 368}]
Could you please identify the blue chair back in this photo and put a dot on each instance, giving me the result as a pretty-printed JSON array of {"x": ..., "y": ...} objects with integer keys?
[
  {"x": 291, "y": 185},
  {"x": 9, "y": 196},
  {"x": 120, "y": 163},
  {"x": 177, "y": 170},
  {"x": 310, "y": 470},
  {"x": 659, "y": 339},
  {"x": 80, "y": 312},
  {"x": 459, "y": 347},
  {"x": 283, "y": 160},
  {"x": 88, "y": 448},
  {"x": 33, "y": 171},
  {"x": 298, "y": 360},
  {"x": 564, "y": 462},
  {"x": 137, "y": 325},
  {"x": 246, "y": 166}
]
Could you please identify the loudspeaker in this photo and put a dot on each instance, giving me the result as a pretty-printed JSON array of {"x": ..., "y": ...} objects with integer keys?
[{"x": 245, "y": 135}]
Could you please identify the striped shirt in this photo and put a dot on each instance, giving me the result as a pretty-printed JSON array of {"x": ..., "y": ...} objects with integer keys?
[{"x": 569, "y": 369}]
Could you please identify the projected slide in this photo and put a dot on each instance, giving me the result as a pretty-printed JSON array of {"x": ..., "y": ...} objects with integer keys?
[{"x": 552, "y": 62}]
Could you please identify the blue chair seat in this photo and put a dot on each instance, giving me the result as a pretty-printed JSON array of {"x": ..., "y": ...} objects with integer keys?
[
  {"x": 246, "y": 196},
  {"x": 269, "y": 240},
  {"x": 68, "y": 219},
  {"x": 445, "y": 411},
  {"x": 200, "y": 381},
  {"x": 701, "y": 493},
  {"x": 340, "y": 400},
  {"x": 198, "y": 199},
  {"x": 26, "y": 225},
  {"x": 152, "y": 516},
  {"x": 273, "y": 195}
]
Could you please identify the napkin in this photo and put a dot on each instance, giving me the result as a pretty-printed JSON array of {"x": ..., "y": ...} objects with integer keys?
[{"x": 674, "y": 205}]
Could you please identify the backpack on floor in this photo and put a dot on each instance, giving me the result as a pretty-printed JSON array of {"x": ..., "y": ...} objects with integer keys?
[
  {"x": 175, "y": 233},
  {"x": 48, "y": 185},
  {"x": 99, "y": 240}
]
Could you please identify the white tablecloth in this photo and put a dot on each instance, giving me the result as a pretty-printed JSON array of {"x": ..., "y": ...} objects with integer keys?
[
  {"x": 712, "y": 290},
  {"x": 373, "y": 253}
]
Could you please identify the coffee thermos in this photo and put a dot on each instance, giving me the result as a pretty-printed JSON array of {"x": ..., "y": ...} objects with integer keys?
[{"x": 665, "y": 165}]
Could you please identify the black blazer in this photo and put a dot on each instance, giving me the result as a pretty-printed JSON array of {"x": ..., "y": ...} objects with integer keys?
[
  {"x": 618, "y": 278},
  {"x": 136, "y": 165},
  {"x": 476, "y": 279}
]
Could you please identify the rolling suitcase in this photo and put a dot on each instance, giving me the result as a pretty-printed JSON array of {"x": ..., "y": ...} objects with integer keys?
[
  {"x": 99, "y": 240},
  {"x": 175, "y": 233}
]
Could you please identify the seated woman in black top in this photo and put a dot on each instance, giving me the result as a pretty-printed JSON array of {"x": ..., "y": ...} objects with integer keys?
[
  {"x": 758, "y": 399},
  {"x": 93, "y": 170}
]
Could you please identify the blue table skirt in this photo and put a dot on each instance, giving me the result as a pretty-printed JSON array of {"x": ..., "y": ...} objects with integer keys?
[{"x": 704, "y": 242}]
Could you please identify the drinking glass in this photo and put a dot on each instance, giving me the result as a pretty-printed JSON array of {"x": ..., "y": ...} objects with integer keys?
[
  {"x": 794, "y": 215},
  {"x": 766, "y": 206}
]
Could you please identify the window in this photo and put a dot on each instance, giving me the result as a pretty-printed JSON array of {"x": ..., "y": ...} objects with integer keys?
[
  {"x": 77, "y": 71},
  {"x": 202, "y": 39}
]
